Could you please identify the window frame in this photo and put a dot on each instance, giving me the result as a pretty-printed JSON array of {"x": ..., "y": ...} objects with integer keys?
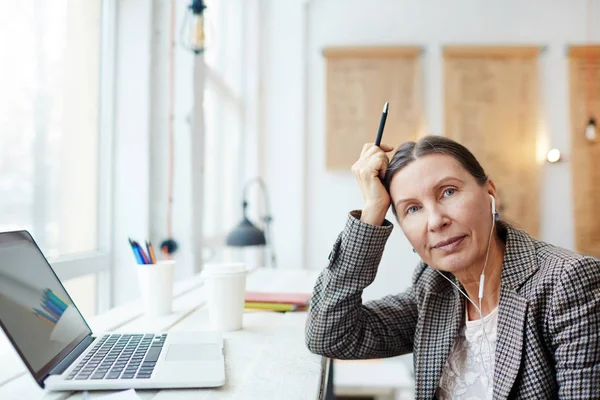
[{"x": 100, "y": 262}]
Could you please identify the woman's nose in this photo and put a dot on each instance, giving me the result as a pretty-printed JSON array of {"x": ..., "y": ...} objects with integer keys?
[{"x": 437, "y": 219}]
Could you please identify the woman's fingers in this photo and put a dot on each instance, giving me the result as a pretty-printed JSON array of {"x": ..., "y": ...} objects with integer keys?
[
  {"x": 370, "y": 148},
  {"x": 369, "y": 170},
  {"x": 366, "y": 147},
  {"x": 386, "y": 148}
]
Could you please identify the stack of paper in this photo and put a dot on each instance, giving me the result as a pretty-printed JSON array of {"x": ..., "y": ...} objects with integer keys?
[{"x": 277, "y": 301}]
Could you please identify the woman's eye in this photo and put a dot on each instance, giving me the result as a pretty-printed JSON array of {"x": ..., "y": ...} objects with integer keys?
[
  {"x": 412, "y": 209},
  {"x": 449, "y": 192}
]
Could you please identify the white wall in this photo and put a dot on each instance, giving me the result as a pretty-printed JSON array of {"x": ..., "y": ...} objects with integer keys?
[{"x": 294, "y": 106}]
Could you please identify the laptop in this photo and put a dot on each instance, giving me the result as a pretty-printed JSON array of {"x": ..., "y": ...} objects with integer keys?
[{"x": 62, "y": 353}]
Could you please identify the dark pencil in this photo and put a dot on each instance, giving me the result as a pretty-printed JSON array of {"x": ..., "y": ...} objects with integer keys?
[{"x": 381, "y": 124}]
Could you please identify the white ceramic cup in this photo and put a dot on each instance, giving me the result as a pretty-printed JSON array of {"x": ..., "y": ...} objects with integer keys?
[
  {"x": 156, "y": 287},
  {"x": 225, "y": 286}
]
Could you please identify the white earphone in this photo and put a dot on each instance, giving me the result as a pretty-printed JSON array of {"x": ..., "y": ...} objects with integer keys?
[
  {"x": 482, "y": 277},
  {"x": 481, "y": 281},
  {"x": 494, "y": 212}
]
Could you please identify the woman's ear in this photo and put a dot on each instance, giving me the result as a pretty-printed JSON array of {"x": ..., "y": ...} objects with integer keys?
[
  {"x": 494, "y": 198},
  {"x": 491, "y": 189}
]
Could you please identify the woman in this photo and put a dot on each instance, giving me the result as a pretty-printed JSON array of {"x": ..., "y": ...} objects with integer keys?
[{"x": 530, "y": 332}]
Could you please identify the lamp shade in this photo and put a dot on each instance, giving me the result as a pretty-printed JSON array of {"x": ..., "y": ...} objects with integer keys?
[{"x": 246, "y": 234}]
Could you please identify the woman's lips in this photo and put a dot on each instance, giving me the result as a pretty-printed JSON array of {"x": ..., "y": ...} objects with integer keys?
[{"x": 451, "y": 246}]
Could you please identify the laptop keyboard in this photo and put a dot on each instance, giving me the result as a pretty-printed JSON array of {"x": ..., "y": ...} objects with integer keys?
[{"x": 121, "y": 357}]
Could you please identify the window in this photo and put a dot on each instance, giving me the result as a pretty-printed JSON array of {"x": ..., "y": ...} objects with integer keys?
[
  {"x": 79, "y": 289},
  {"x": 50, "y": 143},
  {"x": 223, "y": 107}
]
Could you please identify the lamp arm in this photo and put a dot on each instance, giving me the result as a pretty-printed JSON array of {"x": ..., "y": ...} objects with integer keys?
[
  {"x": 263, "y": 187},
  {"x": 267, "y": 218}
]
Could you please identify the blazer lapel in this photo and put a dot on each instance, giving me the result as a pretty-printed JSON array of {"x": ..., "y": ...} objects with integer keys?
[
  {"x": 509, "y": 347},
  {"x": 438, "y": 328},
  {"x": 518, "y": 266}
]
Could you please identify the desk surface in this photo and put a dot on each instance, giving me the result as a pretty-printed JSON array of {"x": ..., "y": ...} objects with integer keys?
[{"x": 265, "y": 360}]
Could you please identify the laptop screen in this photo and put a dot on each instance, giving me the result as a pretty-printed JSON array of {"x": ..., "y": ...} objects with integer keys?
[{"x": 36, "y": 312}]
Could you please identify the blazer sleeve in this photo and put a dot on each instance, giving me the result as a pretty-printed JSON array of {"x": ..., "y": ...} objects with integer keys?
[
  {"x": 339, "y": 325},
  {"x": 575, "y": 328}
]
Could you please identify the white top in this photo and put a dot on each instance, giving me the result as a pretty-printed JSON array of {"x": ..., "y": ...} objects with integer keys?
[{"x": 469, "y": 371}]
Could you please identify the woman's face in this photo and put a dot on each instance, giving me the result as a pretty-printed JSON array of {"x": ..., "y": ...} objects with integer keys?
[{"x": 445, "y": 214}]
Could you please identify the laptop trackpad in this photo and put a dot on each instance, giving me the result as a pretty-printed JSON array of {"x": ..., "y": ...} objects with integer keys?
[{"x": 193, "y": 352}]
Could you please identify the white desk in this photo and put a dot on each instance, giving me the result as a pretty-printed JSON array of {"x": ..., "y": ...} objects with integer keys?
[{"x": 265, "y": 360}]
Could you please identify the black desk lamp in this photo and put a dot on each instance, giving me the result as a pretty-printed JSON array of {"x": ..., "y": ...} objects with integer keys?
[{"x": 246, "y": 233}]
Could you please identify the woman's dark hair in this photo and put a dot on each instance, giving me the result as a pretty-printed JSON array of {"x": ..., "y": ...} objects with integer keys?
[{"x": 410, "y": 151}]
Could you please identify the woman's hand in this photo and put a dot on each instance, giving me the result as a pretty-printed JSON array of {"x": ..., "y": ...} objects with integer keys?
[{"x": 369, "y": 171}]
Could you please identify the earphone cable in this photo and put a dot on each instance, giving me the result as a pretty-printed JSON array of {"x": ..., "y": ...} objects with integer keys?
[{"x": 478, "y": 308}]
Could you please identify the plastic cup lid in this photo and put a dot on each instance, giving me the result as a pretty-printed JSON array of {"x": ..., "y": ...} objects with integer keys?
[{"x": 224, "y": 269}]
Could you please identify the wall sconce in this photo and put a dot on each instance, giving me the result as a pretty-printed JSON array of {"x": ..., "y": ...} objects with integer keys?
[
  {"x": 590, "y": 130},
  {"x": 553, "y": 156}
]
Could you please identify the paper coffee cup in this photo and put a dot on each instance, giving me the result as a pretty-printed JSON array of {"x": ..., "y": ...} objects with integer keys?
[
  {"x": 156, "y": 287},
  {"x": 225, "y": 287}
]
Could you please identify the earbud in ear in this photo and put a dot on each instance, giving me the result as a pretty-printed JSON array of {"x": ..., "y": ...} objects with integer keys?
[{"x": 494, "y": 212}]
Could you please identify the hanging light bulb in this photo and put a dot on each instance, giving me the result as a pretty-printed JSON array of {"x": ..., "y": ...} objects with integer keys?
[
  {"x": 590, "y": 130},
  {"x": 194, "y": 23}
]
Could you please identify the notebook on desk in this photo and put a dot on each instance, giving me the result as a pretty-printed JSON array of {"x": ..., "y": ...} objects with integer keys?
[
  {"x": 299, "y": 299},
  {"x": 277, "y": 301},
  {"x": 62, "y": 353}
]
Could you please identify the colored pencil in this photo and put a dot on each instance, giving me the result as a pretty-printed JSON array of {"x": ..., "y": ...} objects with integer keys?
[
  {"x": 151, "y": 251},
  {"x": 145, "y": 258},
  {"x": 136, "y": 253}
]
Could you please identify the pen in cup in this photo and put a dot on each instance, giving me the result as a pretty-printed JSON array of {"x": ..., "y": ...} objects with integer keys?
[
  {"x": 139, "y": 253},
  {"x": 151, "y": 253},
  {"x": 143, "y": 254},
  {"x": 136, "y": 253}
]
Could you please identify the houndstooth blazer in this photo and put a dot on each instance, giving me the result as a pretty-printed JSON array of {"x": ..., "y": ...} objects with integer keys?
[{"x": 548, "y": 318}]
